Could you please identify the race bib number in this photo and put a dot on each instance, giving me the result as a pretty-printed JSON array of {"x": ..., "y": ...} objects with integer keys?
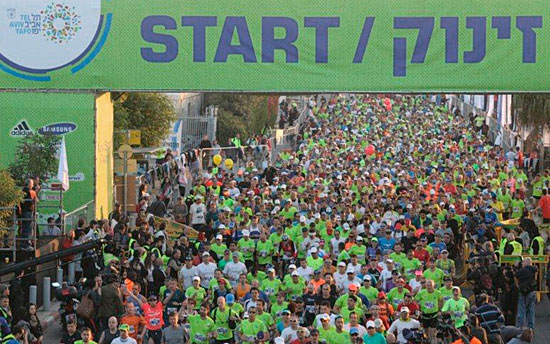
[
  {"x": 429, "y": 305},
  {"x": 199, "y": 338},
  {"x": 263, "y": 253},
  {"x": 459, "y": 314},
  {"x": 155, "y": 322},
  {"x": 222, "y": 331}
]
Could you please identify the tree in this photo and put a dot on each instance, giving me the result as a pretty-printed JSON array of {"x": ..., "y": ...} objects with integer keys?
[
  {"x": 534, "y": 109},
  {"x": 152, "y": 113},
  {"x": 10, "y": 195},
  {"x": 533, "y": 112},
  {"x": 240, "y": 113},
  {"x": 35, "y": 156}
]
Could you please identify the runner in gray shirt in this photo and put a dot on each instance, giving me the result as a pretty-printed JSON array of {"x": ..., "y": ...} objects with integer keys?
[{"x": 173, "y": 334}]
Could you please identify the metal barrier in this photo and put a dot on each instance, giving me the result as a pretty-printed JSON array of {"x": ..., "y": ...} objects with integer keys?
[
  {"x": 498, "y": 135},
  {"x": 85, "y": 212}
]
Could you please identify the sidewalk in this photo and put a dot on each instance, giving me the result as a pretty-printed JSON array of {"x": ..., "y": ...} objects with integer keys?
[{"x": 51, "y": 317}]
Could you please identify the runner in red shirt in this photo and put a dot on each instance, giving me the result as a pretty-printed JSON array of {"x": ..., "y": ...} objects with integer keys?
[{"x": 152, "y": 312}]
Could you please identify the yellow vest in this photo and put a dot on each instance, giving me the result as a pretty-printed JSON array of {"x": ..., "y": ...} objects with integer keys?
[
  {"x": 540, "y": 240},
  {"x": 518, "y": 248},
  {"x": 503, "y": 243}
]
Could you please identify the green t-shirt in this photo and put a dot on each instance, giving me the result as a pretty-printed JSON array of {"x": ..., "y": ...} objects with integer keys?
[
  {"x": 200, "y": 328},
  {"x": 325, "y": 334},
  {"x": 395, "y": 296},
  {"x": 517, "y": 208},
  {"x": 288, "y": 214},
  {"x": 251, "y": 329},
  {"x": 342, "y": 301},
  {"x": 294, "y": 289},
  {"x": 399, "y": 258},
  {"x": 271, "y": 288},
  {"x": 371, "y": 293},
  {"x": 360, "y": 251},
  {"x": 339, "y": 338},
  {"x": 265, "y": 252},
  {"x": 410, "y": 266},
  {"x": 428, "y": 302},
  {"x": 260, "y": 276},
  {"x": 315, "y": 264},
  {"x": 221, "y": 321},
  {"x": 247, "y": 248},
  {"x": 277, "y": 309},
  {"x": 345, "y": 312},
  {"x": 457, "y": 308},
  {"x": 446, "y": 293},
  {"x": 267, "y": 319},
  {"x": 437, "y": 275},
  {"x": 219, "y": 249},
  {"x": 198, "y": 294},
  {"x": 81, "y": 342}
]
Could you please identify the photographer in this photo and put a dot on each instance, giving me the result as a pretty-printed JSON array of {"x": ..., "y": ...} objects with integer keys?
[
  {"x": 526, "y": 277},
  {"x": 482, "y": 275},
  {"x": 402, "y": 323}
]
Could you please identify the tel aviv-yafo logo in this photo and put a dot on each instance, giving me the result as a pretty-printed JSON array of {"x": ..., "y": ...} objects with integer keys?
[{"x": 40, "y": 37}]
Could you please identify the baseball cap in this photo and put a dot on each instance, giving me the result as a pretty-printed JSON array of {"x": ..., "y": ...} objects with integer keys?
[
  {"x": 286, "y": 311},
  {"x": 270, "y": 270},
  {"x": 325, "y": 317},
  {"x": 221, "y": 226},
  {"x": 378, "y": 322},
  {"x": 302, "y": 218},
  {"x": 350, "y": 270},
  {"x": 219, "y": 237},
  {"x": 447, "y": 278},
  {"x": 235, "y": 254},
  {"x": 405, "y": 309},
  {"x": 381, "y": 295},
  {"x": 359, "y": 238},
  {"x": 367, "y": 278},
  {"x": 352, "y": 287},
  {"x": 353, "y": 331},
  {"x": 295, "y": 273},
  {"x": 313, "y": 250},
  {"x": 124, "y": 327},
  {"x": 230, "y": 299},
  {"x": 292, "y": 266},
  {"x": 370, "y": 324},
  {"x": 418, "y": 272},
  {"x": 196, "y": 278},
  {"x": 341, "y": 264},
  {"x": 246, "y": 233}
]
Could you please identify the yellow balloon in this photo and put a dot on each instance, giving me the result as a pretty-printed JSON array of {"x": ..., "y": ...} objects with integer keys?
[
  {"x": 229, "y": 163},
  {"x": 217, "y": 159}
]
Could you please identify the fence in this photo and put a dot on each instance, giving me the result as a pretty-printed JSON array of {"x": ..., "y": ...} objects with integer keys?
[
  {"x": 498, "y": 135},
  {"x": 194, "y": 128},
  {"x": 85, "y": 212}
]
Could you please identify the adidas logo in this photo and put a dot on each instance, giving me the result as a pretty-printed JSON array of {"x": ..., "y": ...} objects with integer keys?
[{"x": 21, "y": 129}]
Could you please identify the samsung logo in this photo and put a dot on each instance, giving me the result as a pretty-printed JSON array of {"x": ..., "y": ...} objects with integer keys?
[{"x": 57, "y": 129}]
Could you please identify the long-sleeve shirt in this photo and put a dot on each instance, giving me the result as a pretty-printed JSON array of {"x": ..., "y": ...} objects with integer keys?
[{"x": 490, "y": 316}]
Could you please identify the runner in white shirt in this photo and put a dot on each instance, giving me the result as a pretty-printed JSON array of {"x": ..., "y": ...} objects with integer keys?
[
  {"x": 404, "y": 322},
  {"x": 234, "y": 269},
  {"x": 206, "y": 270},
  {"x": 187, "y": 272}
]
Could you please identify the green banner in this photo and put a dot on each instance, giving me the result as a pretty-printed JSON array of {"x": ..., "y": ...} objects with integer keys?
[
  {"x": 71, "y": 115},
  {"x": 275, "y": 45}
]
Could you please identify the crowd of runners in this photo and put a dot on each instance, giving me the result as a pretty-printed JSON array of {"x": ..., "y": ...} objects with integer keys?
[{"x": 357, "y": 235}]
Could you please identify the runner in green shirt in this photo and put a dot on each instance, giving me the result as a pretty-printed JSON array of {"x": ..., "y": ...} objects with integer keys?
[
  {"x": 457, "y": 307},
  {"x": 264, "y": 249},
  {"x": 221, "y": 316},
  {"x": 253, "y": 330},
  {"x": 430, "y": 302},
  {"x": 271, "y": 285},
  {"x": 339, "y": 336},
  {"x": 447, "y": 290},
  {"x": 434, "y": 273},
  {"x": 196, "y": 292},
  {"x": 294, "y": 287},
  {"x": 202, "y": 327},
  {"x": 368, "y": 290},
  {"x": 247, "y": 247},
  {"x": 397, "y": 294}
]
